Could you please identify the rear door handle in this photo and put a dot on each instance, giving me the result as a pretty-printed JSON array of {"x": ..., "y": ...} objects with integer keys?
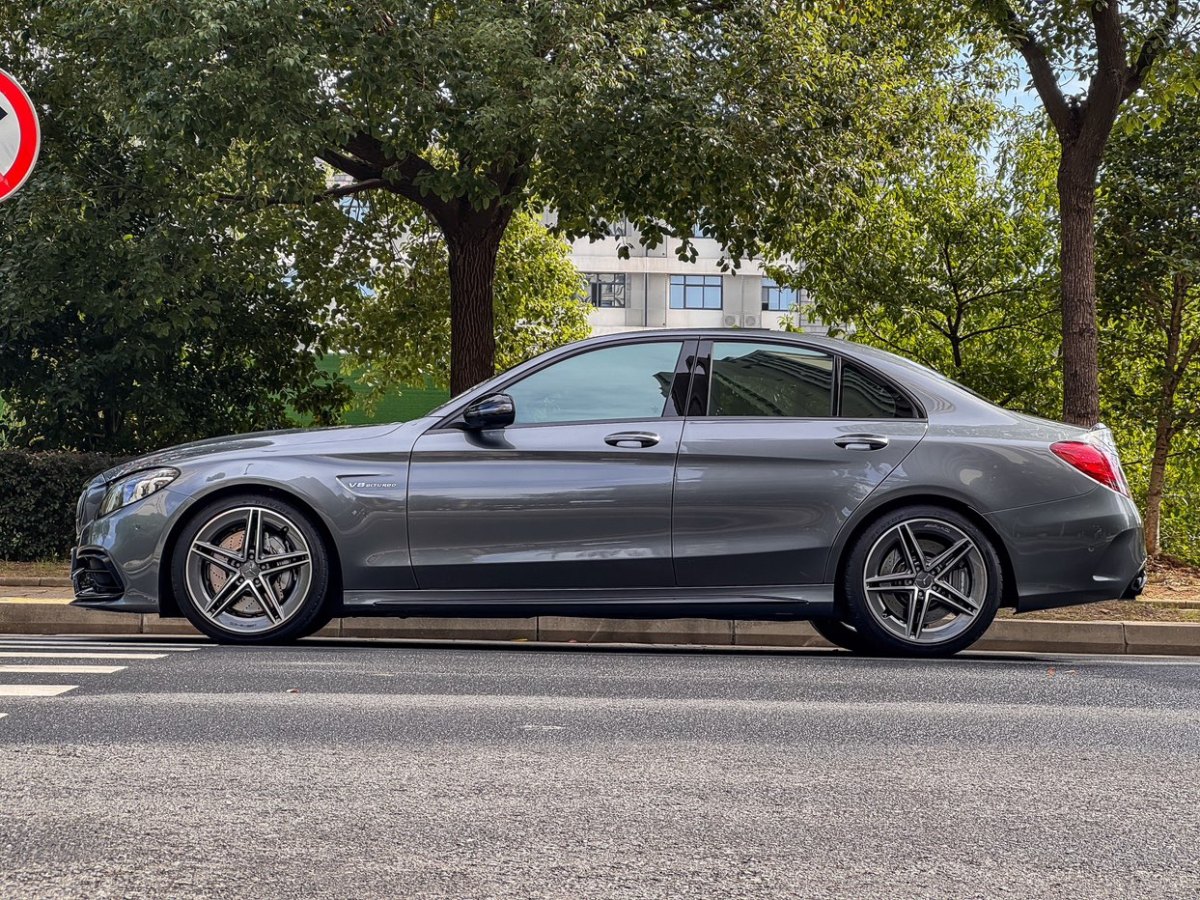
[
  {"x": 862, "y": 441},
  {"x": 633, "y": 439}
]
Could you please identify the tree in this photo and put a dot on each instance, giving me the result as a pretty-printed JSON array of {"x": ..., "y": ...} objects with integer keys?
[
  {"x": 1112, "y": 48},
  {"x": 132, "y": 313},
  {"x": 949, "y": 265},
  {"x": 1149, "y": 264},
  {"x": 729, "y": 114},
  {"x": 398, "y": 328}
]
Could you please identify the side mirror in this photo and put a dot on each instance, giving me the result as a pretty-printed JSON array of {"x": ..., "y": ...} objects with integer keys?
[{"x": 492, "y": 411}]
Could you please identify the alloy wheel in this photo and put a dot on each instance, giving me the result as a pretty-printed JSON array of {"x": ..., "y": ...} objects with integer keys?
[
  {"x": 249, "y": 569},
  {"x": 925, "y": 581}
]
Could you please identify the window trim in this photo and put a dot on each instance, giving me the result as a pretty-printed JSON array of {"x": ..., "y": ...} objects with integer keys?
[
  {"x": 453, "y": 420},
  {"x": 698, "y": 389}
]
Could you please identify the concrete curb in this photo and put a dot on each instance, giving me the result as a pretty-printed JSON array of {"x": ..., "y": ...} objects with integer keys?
[
  {"x": 34, "y": 581},
  {"x": 1011, "y": 635}
]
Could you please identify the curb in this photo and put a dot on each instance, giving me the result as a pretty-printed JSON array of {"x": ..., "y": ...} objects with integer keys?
[
  {"x": 34, "y": 581},
  {"x": 1006, "y": 635}
]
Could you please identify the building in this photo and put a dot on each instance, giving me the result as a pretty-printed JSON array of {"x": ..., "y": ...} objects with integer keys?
[{"x": 653, "y": 288}]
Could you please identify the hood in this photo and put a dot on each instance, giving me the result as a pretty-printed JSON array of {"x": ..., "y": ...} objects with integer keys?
[{"x": 251, "y": 445}]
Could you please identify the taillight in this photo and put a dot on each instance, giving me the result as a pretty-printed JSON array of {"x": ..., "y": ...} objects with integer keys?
[{"x": 1096, "y": 462}]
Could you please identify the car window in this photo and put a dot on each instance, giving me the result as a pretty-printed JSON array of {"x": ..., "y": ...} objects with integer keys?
[
  {"x": 632, "y": 381},
  {"x": 769, "y": 380},
  {"x": 866, "y": 396}
]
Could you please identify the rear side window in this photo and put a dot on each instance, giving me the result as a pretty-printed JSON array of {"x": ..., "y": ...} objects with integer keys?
[
  {"x": 866, "y": 396},
  {"x": 632, "y": 381},
  {"x": 770, "y": 380}
]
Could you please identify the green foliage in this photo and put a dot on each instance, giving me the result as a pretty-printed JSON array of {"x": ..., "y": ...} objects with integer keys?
[
  {"x": 1148, "y": 262},
  {"x": 950, "y": 265},
  {"x": 135, "y": 310},
  {"x": 398, "y": 331},
  {"x": 38, "y": 492}
]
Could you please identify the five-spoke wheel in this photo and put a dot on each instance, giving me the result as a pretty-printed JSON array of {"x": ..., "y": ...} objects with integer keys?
[
  {"x": 251, "y": 569},
  {"x": 922, "y": 581}
]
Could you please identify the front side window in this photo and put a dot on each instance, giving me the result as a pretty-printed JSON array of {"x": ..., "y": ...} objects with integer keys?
[
  {"x": 627, "y": 382},
  {"x": 695, "y": 292},
  {"x": 606, "y": 290},
  {"x": 770, "y": 380},
  {"x": 776, "y": 298},
  {"x": 865, "y": 396}
]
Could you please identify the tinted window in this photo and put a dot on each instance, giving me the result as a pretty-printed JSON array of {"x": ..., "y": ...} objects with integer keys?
[
  {"x": 769, "y": 380},
  {"x": 865, "y": 396},
  {"x": 629, "y": 382}
]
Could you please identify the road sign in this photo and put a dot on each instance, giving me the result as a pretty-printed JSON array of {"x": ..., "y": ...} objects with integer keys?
[{"x": 20, "y": 135}]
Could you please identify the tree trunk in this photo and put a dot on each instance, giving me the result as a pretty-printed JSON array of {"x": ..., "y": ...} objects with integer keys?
[
  {"x": 1080, "y": 347},
  {"x": 472, "y": 315},
  {"x": 1154, "y": 495}
]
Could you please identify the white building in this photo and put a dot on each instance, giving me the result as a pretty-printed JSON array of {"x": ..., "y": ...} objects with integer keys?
[{"x": 653, "y": 288}]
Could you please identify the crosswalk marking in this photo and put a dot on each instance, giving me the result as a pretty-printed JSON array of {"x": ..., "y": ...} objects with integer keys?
[
  {"x": 35, "y": 654},
  {"x": 63, "y": 670},
  {"x": 35, "y": 690}
]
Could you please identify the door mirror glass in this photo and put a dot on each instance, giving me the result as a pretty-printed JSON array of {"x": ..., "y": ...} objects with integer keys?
[{"x": 492, "y": 411}]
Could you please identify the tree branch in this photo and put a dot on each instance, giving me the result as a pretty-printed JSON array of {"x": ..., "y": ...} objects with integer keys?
[
  {"x": 1152, "y": 48},
  {"x": 1045, "y": 80}
]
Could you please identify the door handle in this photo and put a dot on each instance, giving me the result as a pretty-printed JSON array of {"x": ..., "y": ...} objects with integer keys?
[
  {"x": 862, "y": 441},
  {"x": 632, "y": 439}
]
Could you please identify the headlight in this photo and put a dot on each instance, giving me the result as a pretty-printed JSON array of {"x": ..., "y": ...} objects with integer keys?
[{"x": 135, "y": 487}]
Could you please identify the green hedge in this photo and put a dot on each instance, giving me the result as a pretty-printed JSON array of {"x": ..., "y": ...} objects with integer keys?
[{"x": 38, "y": 492}]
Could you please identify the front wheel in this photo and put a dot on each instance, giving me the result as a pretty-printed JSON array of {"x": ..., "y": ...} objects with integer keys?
[
  {"x": 842, "y": 635},
  {"x": 251, "y": 569},
  {"x": 922, "y": 581}
]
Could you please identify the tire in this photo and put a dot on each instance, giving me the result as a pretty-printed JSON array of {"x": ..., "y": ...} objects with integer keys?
[
  {"x": 273, "y": 594},
  {"x": 922, "y": 581},
  {"x": 842, "y": 635}
]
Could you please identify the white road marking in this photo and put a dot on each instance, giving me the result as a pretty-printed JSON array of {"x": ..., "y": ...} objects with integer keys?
[
  {"x": 35, "y": 690},
  {"x": 3, "y": 715},
  {"x": 21, "y": 654},
  {"x": 63, "y": 670},
  {"x": 100, "y": 645}
]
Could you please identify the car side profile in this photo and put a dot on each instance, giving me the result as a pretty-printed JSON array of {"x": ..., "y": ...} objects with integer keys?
[{"x": 698, "y": 473}]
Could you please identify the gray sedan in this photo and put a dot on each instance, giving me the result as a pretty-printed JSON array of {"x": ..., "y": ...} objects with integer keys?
[{"x": 711, "y": 473}]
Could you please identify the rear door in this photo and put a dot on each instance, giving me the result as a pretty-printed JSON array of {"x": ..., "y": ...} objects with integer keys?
[
  {"x": 780, "y": 445},
  {"x": 576, "y": 493}
]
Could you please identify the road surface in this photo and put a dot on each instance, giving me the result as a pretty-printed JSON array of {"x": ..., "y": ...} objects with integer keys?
[{"x": 377, "y": 769}]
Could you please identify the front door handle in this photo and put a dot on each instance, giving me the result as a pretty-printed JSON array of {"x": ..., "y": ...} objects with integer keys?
[
  {"x": 862, "y": 441},
  {"x": 633, "y": 439}
]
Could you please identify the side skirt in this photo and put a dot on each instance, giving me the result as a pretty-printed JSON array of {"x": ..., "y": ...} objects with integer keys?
[{"x": 771, "y": 602}]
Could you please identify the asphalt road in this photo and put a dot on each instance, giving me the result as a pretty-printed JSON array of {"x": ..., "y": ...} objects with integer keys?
[{"x": 358, "y": 769}]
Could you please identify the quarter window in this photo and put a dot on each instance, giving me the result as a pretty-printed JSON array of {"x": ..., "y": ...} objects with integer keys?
[
  {"x": 632, "y": 381},
  {"x": 770, "y": 380},
  {"x": 865, "y": 396},
  {"x": 695, "y": 292}
]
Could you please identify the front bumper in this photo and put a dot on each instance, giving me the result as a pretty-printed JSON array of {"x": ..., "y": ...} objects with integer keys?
[
  {"x": 1079, "y": 550},
  {"x": 116, "y": 564}
]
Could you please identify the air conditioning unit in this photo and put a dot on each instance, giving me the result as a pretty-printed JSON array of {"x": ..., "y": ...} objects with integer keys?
[
  {"x": 731, "y": 321},
  {"x": 750, "y": 321}
]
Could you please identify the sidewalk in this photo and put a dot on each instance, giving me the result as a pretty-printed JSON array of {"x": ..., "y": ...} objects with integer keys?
[{"x": 45, "y": 609}]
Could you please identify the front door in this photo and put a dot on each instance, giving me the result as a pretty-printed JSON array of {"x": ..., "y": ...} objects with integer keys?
[
  {"x": 575, "y": 494},
  {"x": 781, "y": 445}
]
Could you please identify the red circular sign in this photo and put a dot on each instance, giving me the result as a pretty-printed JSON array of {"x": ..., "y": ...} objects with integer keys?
[{"x": 20, "y": 135}]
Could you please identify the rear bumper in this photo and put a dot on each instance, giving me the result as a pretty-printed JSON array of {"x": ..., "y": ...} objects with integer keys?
[{"x": 1080, "y": 550}]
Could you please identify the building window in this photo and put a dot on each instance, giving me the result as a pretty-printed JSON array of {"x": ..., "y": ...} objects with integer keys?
[
  {"x": 606, "y": 290},
  {"x": 695, "y": 292},
  {"x": 776, "y": 298},
  {"x": 353, "y": 206}
]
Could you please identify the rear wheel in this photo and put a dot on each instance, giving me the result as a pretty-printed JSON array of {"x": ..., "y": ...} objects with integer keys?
[
  {"x": 251, "y": 569},
  {"x": 922, "y": 581}
]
